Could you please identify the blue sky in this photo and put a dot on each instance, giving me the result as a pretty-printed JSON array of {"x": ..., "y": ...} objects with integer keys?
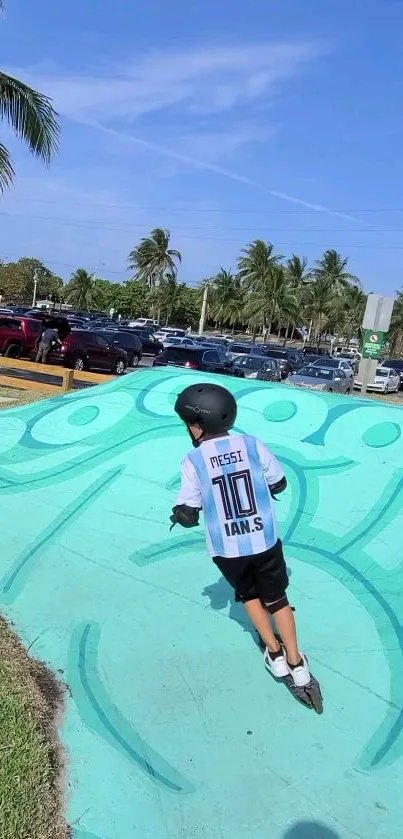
[{"x": 222, "y": 121}]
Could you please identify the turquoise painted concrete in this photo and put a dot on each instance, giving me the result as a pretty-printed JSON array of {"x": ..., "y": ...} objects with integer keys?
[{"x": 173, "y": 728}]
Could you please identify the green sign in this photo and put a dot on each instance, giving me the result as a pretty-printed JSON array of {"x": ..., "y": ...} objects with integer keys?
[{"x": 373, "y": 343}]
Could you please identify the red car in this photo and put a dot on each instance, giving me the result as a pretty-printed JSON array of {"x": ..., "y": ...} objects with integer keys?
[
  {"x": 19, "y": 335},
  {"x": 85, "y": 350}
]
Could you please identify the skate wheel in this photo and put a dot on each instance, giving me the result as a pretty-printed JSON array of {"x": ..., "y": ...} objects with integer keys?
[{"x": 315, "y": 698}]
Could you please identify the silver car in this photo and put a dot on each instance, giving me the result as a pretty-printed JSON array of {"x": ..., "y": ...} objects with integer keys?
[
  {"x": 248, "y": 366},
  {"x": 322, "y": 378},
  {"x": 336, "y": 364}
]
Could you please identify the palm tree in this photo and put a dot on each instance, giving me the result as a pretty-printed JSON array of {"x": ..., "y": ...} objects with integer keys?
[
  {"x": 153, "y": 257},
  {"x": 297, "y": 276},
  {"x": 396, "y": 326},
  {"x": 354, "y": 301},
  {"x": 256, "y": 273},
  {"x": 223, "y": 290},
  {"x": 319, "y": 299},
  {"x": 167, "y": 296},
  {"x": 32, "y": 118},
  {"x": 332, "y": 267},
  {"x": 235, "y": 311},
  {"x": 80, "y": 290}
]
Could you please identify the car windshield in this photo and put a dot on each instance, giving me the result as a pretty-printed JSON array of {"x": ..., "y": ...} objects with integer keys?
[
  {"x": 316, "y": 372},
  {"x": 253, "y": 362},
  {"x": 277, "y": 353},
  {"x": 239, "y": 348},
  {"x": 179, "y": 353},
  {"x": 382, "y": 372},
  {"x": 173, "y": 341},
  {"x": 329, "y": 362},
  {"x": 396, "y": 363}
]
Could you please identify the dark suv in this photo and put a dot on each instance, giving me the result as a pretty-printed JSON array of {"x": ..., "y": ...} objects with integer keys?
[
  {"x": 151, "y": 345},
  {"x": 289, "y": 360},
  {"x": 85, "y": 350},
  {"x": 195, "y": 358},
  {"x": 19, "y": 335},
  {"x": 130, "y": 343}
]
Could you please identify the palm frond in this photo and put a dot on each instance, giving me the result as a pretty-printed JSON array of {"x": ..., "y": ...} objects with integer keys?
[
  {"x": 6, "y": 168},
  {"x": 30, "y": 115}
]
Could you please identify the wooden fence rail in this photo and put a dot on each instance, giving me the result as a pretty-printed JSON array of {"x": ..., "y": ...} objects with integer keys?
[{"x": 66, "y": 379}]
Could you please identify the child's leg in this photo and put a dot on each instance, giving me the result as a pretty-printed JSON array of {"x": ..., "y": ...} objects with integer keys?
[
  {"x": 261, "y": 621},
  {"x": 284, "y": 620}
]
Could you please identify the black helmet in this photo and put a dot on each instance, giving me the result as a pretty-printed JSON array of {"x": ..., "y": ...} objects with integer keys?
[{"x": 211, "y": 406}]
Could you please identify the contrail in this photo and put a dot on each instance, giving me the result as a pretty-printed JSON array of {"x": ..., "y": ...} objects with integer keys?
[{"x": 220, "y": 170}]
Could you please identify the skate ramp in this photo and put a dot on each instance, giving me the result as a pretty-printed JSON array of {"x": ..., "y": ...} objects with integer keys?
[{"x": 173, "y": 728}]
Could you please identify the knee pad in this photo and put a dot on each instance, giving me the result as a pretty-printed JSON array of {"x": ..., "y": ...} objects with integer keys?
[{"x": 272, "y": 608}]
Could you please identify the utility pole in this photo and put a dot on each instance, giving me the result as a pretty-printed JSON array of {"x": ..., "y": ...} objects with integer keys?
[
  {"x": 203, "y": 310},
  {"x": 35, "y": 287},
  {"x": 376, "y": 322}
]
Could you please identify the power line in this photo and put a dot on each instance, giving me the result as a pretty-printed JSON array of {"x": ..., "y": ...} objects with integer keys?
[
  {"x": 186, "y": 209},
  {"x": 117, "y": 225},
  {"x": 94, "y": 224}
]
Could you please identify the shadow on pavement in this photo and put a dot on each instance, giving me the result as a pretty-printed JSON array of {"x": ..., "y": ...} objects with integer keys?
[{"x": 310, "y": 830}]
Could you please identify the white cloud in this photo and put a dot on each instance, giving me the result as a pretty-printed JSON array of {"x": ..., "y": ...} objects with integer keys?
[
  {"x": 206, "y": 80},
  {"x": 179, "y": 87}
]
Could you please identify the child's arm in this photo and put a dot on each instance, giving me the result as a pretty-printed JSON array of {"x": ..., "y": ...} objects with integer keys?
[
  {"x": 272, "y": 470},
  {"x": 189, "y": 501}
]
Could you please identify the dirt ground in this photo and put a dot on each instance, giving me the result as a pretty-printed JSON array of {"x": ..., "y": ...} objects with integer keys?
[{"x": 11, "y": 397}]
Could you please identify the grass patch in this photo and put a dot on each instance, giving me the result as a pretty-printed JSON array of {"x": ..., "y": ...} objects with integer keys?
[{"x": 31, "y": 796}]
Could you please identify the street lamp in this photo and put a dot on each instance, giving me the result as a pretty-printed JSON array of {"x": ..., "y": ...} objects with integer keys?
[{"x": 35, "y": 287}]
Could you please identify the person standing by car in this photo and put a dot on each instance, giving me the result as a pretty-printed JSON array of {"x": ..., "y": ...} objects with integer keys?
[{"x": 48, "y": 337}]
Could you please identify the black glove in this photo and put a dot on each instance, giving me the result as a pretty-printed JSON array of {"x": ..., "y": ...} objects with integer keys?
[
  {"x": 280, "y": 486},
  {"x": 185, "y": 516}
]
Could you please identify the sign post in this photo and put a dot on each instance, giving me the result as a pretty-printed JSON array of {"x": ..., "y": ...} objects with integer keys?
[
  {"x": 373, "y": 343},
  {"x": 376, "y": 322}
]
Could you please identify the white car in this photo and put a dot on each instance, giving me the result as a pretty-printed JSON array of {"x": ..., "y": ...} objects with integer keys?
[
  {"x": 386, "y": 381},
  {"x": 172, "y": 341},
  {"x": 166, "y": 332},
  {"x": 143, "y": 322},
  {"x": 335, "y": 364}
]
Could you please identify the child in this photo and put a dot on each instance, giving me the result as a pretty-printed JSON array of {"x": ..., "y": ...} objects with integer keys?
[{"x": 234, "y": 479}]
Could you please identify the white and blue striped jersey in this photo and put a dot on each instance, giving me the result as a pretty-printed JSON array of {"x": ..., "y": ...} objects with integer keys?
[{"x": 229, "y": 478}]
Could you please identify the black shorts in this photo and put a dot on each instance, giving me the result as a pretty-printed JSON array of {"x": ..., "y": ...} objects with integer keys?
[{"x": 261, "y": 576}]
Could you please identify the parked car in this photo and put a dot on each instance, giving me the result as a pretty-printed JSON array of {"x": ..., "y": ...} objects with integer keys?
[
  {"x": 195, "y": 358},
  {"x": 387, "y": 380},
  {"x": 310, "y": 358},
  {"x": 249, "y": 366},
  {"x": 128, "y": 342},
  {"x": 289, "y": 360},
  {"x": 322, "y": 377},
  {"x": 237, "y": 349},
  {"x": 168, "y": 341},
  {"x": 270, "y": 371},
  {"x": 336, "y": 364},
  {"x": 396, "y": 364},
  {"x": 86, "y": 350},
  {"x": 144, "y": 322},
  {"x": 352, "y": 360},
  {"x": 169, "y": 332},
  {"x": 16, "y": 310},
  {"x": 150, "y": 344},
  {"x": 19, "y": 335},
  {"x": 50, "y": 321},
  {"x": 310, "y": 350}
]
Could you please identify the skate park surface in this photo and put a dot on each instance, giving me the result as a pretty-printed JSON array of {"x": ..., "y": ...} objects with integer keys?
[{"x": 172, "y": 727}]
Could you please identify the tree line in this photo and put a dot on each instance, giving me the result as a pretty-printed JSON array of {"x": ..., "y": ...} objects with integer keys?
[{"x": 267, "y": 294}]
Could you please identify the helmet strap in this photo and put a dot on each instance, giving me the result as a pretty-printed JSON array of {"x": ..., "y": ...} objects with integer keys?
[{"x": 195, "y": 443}]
